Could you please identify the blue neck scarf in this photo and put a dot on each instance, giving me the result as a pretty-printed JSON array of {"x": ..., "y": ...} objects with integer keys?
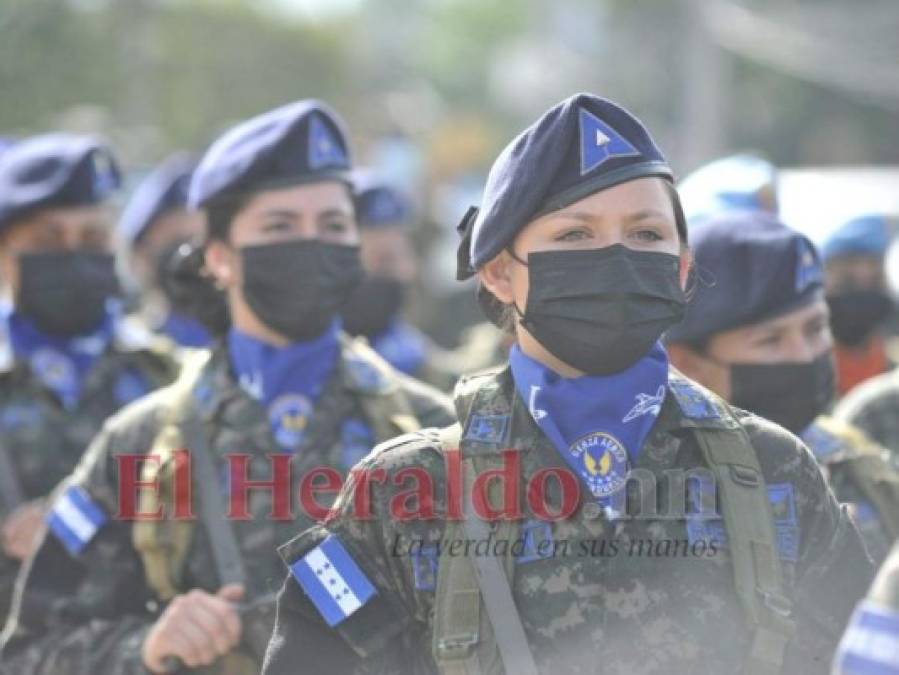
[
  {"x": 185, "y": 331},
  {"x": 597, "y": 423},
  {"x": 287, "y": 381},
  {"x": 60, "y": 363},
  {"x": 401, "y": 346}
]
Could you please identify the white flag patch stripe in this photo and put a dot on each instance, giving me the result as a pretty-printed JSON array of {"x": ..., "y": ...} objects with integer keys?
[
  {"x": 333, "y": 582},
  {"x": 72, "y": 517}
]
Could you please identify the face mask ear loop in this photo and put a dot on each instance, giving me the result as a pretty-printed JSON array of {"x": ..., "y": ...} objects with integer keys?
[
  {"x": 515, "y": 257},
  {"x": 521, "y": 262}
]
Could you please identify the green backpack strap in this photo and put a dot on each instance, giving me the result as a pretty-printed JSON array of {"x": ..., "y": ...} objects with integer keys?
[
  {"x": 477, "y": 628},
  {"x": 749, "y": 521},
  {"x": 378, "y": 389}
]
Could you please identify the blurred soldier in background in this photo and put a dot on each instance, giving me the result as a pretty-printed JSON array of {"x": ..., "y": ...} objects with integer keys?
[
  {"x": 741, "y": 182},
  {"x": 67, "y": 358},
  {"x": 283, "y": 386},
  {"x": 855, "y": 283},
  {"x": 384, "y": 215},
  {"x": 873, "y": 407},
  {"x": 154, "y": 224},
  {"x": 756, "y": 332}
]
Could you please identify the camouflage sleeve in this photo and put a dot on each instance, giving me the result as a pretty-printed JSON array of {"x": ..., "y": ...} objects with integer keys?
[
  {"x": 388, "y": 631},
  {"x": 873, "y": 407},
  {"x": 81, "y": 603},
  {"x": 825, "y": 563}
]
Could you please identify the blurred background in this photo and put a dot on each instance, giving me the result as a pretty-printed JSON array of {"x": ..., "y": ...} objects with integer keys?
[{"x": 432, "y": 89}]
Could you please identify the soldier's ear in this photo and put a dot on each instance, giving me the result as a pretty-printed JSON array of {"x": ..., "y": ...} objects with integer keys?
[
  {"x": 221, "y": 263},
  {"x": 495, "y": 277}
]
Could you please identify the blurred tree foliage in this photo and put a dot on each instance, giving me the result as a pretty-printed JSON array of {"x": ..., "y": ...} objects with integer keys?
[{"x": 159, "y": 74}]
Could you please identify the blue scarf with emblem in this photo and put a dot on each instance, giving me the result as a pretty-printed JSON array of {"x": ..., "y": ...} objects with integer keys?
[
  {"x": 287, "y": 381},
  {"x": 597, "y": 423},
  {"x": 60, "y": 363}
]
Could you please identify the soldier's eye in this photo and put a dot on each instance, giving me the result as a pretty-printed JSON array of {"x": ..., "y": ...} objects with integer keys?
[
  {"x": 335, "y": 226},
  {"x": 648, "y": 235},
  {"x": 573, "y": 235},
  {"x": 277, "y": 226}
]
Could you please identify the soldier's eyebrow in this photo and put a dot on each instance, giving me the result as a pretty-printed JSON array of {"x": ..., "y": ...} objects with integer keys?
[
  {"x": 636, "y": 216},
  {"x": 334, "y": 211},
  {"x": 647, "y": 214},
  {"x": 282, "y": 213}
]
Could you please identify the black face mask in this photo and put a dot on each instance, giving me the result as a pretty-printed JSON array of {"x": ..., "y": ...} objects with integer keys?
[
  {"x": 602, "y": 310},
  {"x": 791, "y": 394},
  {"x": 297, "y": 288},
  {"x": 373, "y": 305},
  {"x": 64, "y": 293},
  {"x": 854, "y": 315},
  {"x": 167, "y": 271}
]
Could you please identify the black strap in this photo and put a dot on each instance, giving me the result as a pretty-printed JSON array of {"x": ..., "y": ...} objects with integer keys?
[
  {"x": 225, "y": 551},
  {"x": 10, "y": 489}
]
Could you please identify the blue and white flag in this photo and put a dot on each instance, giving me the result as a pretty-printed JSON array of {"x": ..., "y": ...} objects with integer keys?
[
  {"x": 871, "y": 643},
  {"x": 75, "y": 519},
  {"x": 333, "y": 581}
]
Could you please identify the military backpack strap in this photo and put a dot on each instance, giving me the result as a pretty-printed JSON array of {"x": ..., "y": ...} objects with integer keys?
[
  {"x": 383, "y": 400},
  {"x": 164, "y": 544},
  {"x": 10, "y": 488},
  {"x": 467, "y": 640},
  {"x": 749, "y": 521}
]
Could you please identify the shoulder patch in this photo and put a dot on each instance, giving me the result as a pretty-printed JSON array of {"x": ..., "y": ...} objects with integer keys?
[
  {"x": 333, "y": 581},
  {"x": 493, "y": 429},
  {"x": 75, "y": 519},
  {"x": 694, "y": 403}
]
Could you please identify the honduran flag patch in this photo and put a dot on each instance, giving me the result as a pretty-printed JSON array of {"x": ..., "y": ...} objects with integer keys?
[
  {"x": 333, "y": 581},
  {"x": 75, "y": 519},
  {"x": 871, "y": 643}
]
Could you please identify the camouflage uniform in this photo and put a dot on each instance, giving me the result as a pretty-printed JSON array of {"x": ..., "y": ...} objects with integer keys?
[
  {"x": 873, "y": 407},
  {"x": 99, "y": 612},
  {"x": 650, "y": 608},
  {"x": 45, "y": 440},
  {"x": 859, "y": 475}
]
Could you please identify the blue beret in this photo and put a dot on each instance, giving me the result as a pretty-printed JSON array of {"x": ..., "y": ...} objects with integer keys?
[
  {"x": 301, "y": 142},
  {"x": 750, "y": 268},
  {"x": 379, "y": 203},
  {"x": 582, "y": 145},
  {"x": 55, "y": 170},
  {"x": 864, "y": 235},
  {"x": 729, "y": 183},
  {"x": 163, "y": 190}
]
